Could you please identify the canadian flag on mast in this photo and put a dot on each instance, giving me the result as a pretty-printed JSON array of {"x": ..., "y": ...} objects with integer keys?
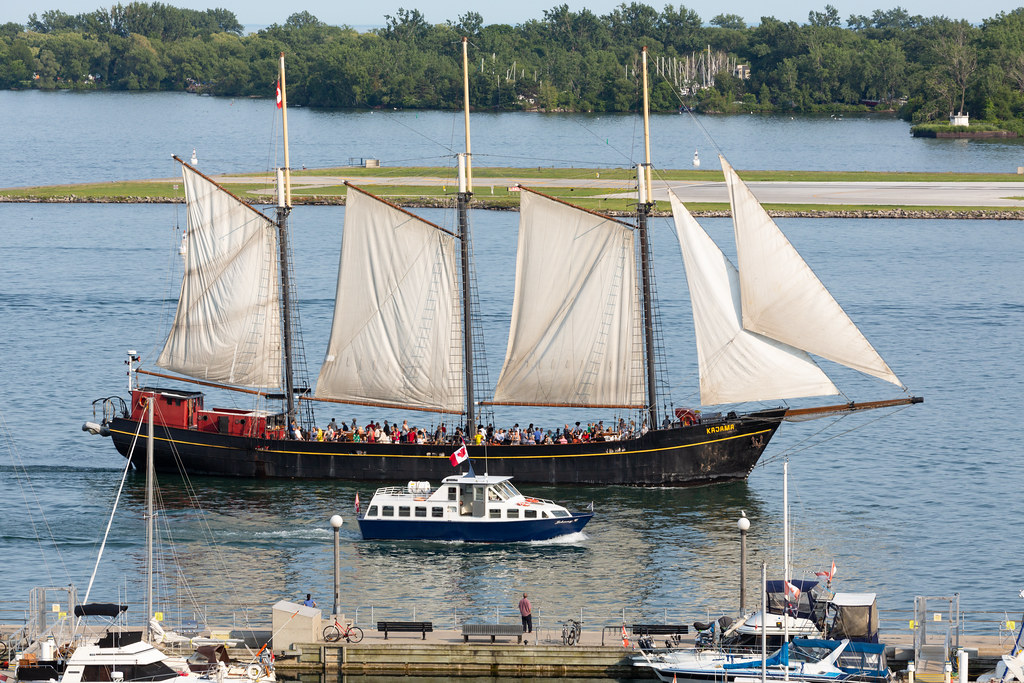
[
  {"x": 792, "y": 592},
  {"x": 830, "y": 574},
  {"x": 459, "y": 456},
  {"x": 357, "y": 502},
  {"x": 280, "y": 102}
]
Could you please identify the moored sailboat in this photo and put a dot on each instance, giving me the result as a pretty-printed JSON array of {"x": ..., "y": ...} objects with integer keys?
[{"x": 582, "y": 335}]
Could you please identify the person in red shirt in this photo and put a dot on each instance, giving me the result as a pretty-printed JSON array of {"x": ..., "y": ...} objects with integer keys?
[{"x": 527, "y": 613}]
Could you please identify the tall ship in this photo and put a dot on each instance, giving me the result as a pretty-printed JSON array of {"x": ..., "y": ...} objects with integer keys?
[{"x": 582, "y": 335}]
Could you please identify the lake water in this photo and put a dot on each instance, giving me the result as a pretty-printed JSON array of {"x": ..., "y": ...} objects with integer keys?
[
  {"x": 65, "y": 137},
  {"x": 921, "y": 501}
]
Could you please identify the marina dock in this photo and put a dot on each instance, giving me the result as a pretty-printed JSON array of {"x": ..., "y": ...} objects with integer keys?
[{"x": 542, "y": 654}]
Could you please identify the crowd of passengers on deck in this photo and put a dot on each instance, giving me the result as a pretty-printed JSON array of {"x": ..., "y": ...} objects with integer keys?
[{"x": 376, "y": 432}]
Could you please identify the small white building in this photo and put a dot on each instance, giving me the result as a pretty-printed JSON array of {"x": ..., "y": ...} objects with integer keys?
[{"x": 960, "y": 119}]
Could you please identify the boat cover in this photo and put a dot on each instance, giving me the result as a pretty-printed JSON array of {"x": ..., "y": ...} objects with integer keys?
[
  {"x": 779, "y": 658},
  {"x": 856, "y": 617},
  {"x": 866, "y": 659},
  {"x": 99, "y": 609},
  {"x": 805, "y": 602}
]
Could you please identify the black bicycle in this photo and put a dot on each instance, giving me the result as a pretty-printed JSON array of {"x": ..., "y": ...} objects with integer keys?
[{"x": 571, "y": 631}]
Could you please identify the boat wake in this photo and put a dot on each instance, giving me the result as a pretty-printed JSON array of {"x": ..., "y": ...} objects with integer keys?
[{"x": 568, "y": 539}]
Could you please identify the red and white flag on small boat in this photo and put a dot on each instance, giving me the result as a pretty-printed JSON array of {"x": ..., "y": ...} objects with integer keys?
[
  {"x": 280, "y": 103},
  {"x": 357, "y": 502},
  {"x": 792, "y": 592},
  {"x": 828, "y": 574},
  {"x": 459, "y": 456},
  {"x": 625, "y": 638}
]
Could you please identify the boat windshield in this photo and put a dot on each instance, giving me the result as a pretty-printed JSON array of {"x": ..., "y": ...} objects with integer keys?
[
  {"x": 509, "y": 489},
  {"x": 497, "y": 492}
]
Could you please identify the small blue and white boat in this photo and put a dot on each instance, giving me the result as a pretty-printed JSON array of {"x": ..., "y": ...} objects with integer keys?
[
  {"x": 802, "y": 661},
  {"x": 465, "y": 507}
]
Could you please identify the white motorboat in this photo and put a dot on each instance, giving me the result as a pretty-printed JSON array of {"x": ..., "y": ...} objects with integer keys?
[{"x": 466, "y": 507}]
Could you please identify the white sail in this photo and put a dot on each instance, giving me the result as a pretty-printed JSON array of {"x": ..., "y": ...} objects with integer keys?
[
  {"x": 735, "y": 365},
  {"x": 395, "y": 339},
  {"x": 783, "y": 298},
  {"x": 575, "y": 332},
  {"x": 228, "y": 324}
]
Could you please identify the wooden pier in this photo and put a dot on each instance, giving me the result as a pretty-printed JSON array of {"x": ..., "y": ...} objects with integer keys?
[{"x": 444, "y": 652}]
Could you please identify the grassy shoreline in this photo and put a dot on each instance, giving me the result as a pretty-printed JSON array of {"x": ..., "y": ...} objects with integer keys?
[{"x": 434, "y": 187}]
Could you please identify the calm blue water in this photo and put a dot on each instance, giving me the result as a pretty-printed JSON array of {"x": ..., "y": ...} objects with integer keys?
[
  {"x": 925, "y": 501},
  {"x": 84, "y": 137}
]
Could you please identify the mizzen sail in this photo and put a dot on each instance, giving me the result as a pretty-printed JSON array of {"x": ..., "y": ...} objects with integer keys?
[
  {"x": 397, "y": 324},
  {"x": 735, "y": 365},
  {"x": 784, "y": 299},
  {"x": 228, "y": 324},
  {"x": 575, "y": 332}
]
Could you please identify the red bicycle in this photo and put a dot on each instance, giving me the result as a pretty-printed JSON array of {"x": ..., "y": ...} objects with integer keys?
[{"x": 335, "y": 632}]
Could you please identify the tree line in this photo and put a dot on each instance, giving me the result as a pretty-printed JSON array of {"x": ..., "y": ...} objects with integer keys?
[{"x": 926, "y": 67}]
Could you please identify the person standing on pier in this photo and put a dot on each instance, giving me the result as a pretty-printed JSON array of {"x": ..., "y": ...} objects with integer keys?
[{"x": 527, "y": 613}]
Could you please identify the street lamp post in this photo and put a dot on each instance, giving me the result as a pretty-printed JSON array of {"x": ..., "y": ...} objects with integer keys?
[
  {"x": 336, "y": 522},
  {"x": 743, "y": 524}
]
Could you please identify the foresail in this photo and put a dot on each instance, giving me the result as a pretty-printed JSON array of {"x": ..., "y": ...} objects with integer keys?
[
  {"x": 228, "y": 324},
  {"x": 397, "y": 323},
  {"x": 783, "y": 298},
  {"x": 574, "y": 337},
  {"x": 735, "y": 365}
]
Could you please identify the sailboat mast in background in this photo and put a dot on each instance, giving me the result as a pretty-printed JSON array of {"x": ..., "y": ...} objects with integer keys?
[
  {"x": 644, "y": 207},
  {"x": 465, "y": 194},
  {"x": 284, "y": 207}
]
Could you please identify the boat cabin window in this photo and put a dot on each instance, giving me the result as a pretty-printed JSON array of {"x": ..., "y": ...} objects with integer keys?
[
  {"x": 387, "y": 511},
  {"x": 559, "y": 513},
  {"x": 100, "y": 673},
  {"x": 421, "y": 511},
  {"x": 437, "y": 511},
  {"x": 403, "y": 510},
  {"x": 495, "y": 513},
  {"x": 513, "y": 513},
  {"x": 453, "y": 493},
  {"x": 528, "y": 514},
  {"x": 544, "y": 515},
  {"x": 372, "y": 512},
  {"x": 478, "y": 493},
  {"x": 509, "y": 490}
]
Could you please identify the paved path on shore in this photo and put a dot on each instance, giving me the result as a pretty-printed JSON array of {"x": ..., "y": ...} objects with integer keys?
[{"x": 983, "y": 194}]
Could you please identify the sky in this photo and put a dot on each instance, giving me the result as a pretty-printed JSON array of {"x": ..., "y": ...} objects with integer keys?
[{"x": 364, "y": 15}]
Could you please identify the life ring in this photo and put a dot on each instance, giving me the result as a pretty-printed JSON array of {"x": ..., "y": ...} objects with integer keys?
[
  {"x": 419, "y": 498},
  {"x": 254, "y": 671},
  {"x": 525, "y": 503},
  {"x": 532, "y": 500},
  {"x": 686, "y": 416}
]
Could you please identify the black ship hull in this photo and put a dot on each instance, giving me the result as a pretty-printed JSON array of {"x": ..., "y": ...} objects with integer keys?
[{"x": 705, "y": 453}]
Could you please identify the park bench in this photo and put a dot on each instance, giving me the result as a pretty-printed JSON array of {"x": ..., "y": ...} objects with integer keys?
[
  {"x": 405, "y": 627},
  {"x": 492, "y": 630}
]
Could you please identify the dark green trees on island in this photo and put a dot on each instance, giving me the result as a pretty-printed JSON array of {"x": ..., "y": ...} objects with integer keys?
[{"x": 925, "y": 67}]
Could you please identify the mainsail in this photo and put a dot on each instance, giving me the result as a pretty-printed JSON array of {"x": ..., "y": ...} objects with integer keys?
[
  {"x": 228, "y": 324},
  {"x": 783, "y": 298},
  {"x": 735, "y": 365},
  {"x": 397, "y": 323},
  {"x": 575, "y": 332}
]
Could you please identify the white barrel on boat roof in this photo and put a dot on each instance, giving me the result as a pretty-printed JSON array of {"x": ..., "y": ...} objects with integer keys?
[{"x": 46, "y": 649}]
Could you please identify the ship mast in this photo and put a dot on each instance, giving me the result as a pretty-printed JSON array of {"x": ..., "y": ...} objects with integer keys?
[
  {"x": 465, "y": 194},
  {"x": 284, "y": 207},
  {"x": 644, "y": 207}
]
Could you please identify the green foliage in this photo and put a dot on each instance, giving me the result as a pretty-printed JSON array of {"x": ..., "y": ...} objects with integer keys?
[{"x": 565, "y": 60}]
